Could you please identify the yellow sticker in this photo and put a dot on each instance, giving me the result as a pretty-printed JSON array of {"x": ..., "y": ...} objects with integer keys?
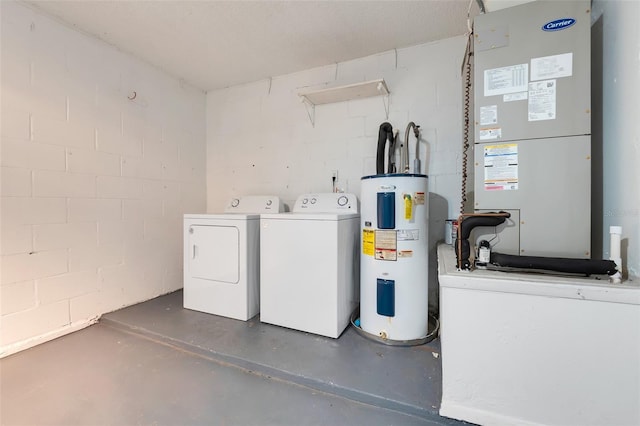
[
  {"x": 408, "y": 207},
  {"x": 368, "y": 239}
]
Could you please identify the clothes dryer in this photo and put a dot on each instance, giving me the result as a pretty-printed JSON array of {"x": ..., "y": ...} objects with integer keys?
[
  {"x": 222, "y": 258},
  {"x": 309, "y": 264}
]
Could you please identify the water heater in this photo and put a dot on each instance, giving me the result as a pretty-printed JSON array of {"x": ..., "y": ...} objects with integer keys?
[
  {"x": 532, "y": 113},
  {"x": 394, "y": 217}
]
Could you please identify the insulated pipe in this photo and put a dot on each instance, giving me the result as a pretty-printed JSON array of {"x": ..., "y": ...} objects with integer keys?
[
  {"x": 467, "y": 222},
  {"x": 384, "y": 133},
  {"x": 555, "y": 264},
  {"x": 405, "y": 152}
]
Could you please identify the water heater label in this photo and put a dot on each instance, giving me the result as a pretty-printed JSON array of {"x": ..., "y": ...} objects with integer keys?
[
  {"x": 542, "y": 100},
  {"x": 368, "y": 242},
  {"x": 386, "y": 244},
  {"x": 418, "y": 198},
  {"x": 408, "y": 234},
  {"x": 501, "y": 167}
]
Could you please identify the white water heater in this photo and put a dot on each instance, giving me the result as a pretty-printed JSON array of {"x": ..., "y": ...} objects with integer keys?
[{"x": 394, "y": 301}]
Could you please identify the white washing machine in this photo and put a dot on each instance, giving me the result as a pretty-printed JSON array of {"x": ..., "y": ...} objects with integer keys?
[
  {"x": 309, "y": 264},
  {"x": 222, "y": 258}
]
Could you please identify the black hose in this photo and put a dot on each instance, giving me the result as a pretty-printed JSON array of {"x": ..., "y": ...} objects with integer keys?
[
  {"x": 555, "y": 264},
  {"x": 463, "y": 247},
  {"x": 391, "y": 163},
  {"x": 385, "y": 133}
]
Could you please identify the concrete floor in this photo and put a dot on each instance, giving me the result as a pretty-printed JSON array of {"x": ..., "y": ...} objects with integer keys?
[{"x": 157, "y": 363}]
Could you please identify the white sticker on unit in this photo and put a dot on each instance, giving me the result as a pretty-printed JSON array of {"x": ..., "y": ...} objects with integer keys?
[
  {"x": 542, "y": 100},
  {"x": 408, "y": 234},
  {"x": 501, "y": 167},
  {"x": 511, "y": 97},
  {"x": 490, "y": 133},
  {"x": 556, "y": 66},
  {"x": 488, "y": 115},
  {"x": 511, "y": 79}
]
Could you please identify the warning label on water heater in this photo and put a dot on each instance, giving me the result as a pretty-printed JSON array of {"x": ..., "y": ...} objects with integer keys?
[
  {"x": 386, "y": 245},
  {"x": 368, "y": 242},
  {"x": 501, "y": 167}
]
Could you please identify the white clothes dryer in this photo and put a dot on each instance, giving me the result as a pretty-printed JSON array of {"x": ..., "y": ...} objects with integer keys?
[
  {"x": 309, "y": 264},
  {"x": 222, "y": 258}
]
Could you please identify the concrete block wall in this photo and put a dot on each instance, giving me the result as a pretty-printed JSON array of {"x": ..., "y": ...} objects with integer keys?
[
  {"x": 260, "y": 139},
  {"x": 93, "y": 184}
]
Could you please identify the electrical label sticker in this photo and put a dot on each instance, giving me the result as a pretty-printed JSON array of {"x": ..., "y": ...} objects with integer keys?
[
  {"x": 542, "y": 100},
  {"x": 512, "y": 97},
  {"x": 418, "y": 198},
  {"x": 556, "y": 66},
  {"x": 501, "y": 167},
  {"x": 408, "y": 234},
  {"x": 490, "y": 133},
  {"x": 386, "y": 245},
  {"x": 488, "y": 115},
  {"x": 368, "y": 242},
  {"x": 405, "y": 253},
  {"x": 512, "y": 79}
]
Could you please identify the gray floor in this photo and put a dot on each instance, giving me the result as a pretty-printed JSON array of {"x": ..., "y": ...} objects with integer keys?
[{"x": 157, "y": 363}]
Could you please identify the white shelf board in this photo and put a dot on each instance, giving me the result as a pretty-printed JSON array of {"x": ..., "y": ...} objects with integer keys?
[{"x": 364, "y": 89}]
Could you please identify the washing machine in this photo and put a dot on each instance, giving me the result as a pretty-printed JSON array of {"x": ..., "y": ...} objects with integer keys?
[
  {"x": 309, "y": 264},
  {"x": 222, "y": 258}
]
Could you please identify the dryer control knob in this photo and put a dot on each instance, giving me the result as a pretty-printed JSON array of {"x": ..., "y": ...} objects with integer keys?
[
  {"x": 305, "y": 201},
  {"x": 235, "y": 202},
  {"x": 313, "y": 201},
  {"x": 342, "y": 201},
  {"x": 269, "y": 202}
]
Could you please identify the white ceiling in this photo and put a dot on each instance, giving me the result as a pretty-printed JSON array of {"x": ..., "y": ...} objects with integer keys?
[{"x": 214, "y": 44}]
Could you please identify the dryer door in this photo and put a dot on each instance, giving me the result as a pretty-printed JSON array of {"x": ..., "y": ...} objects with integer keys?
[{"x": 214, "y": 253}]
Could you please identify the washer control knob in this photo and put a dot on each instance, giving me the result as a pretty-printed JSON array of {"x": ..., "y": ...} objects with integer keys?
[
  {"x": 313, "y": 201},
  {"x": 269, "y": 202},
  {"x": 305, "y": 201},
  {"x": 343, "y": 201},
  {"x": 235, "y": 202}
]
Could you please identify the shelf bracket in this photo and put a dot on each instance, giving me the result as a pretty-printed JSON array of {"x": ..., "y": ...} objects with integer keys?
[
  {"x": 311, "y": 111},
  {"x": 385, "y": 101}
]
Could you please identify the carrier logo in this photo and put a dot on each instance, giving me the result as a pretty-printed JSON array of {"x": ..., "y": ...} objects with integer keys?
[{"x": 558, "y": 24}]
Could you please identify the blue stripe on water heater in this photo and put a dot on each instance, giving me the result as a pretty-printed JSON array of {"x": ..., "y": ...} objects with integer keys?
[
  {"x": 386, "y": 300},
  {"x": 386, "y": 210}
]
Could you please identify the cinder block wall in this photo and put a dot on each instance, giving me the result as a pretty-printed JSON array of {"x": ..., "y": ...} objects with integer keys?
[
  {"x": 93, "y": 184},
  {"x": 260, "y": 139}
]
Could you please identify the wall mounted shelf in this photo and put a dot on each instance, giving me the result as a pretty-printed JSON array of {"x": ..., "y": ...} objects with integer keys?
[{"x": 365, "y": 89}]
